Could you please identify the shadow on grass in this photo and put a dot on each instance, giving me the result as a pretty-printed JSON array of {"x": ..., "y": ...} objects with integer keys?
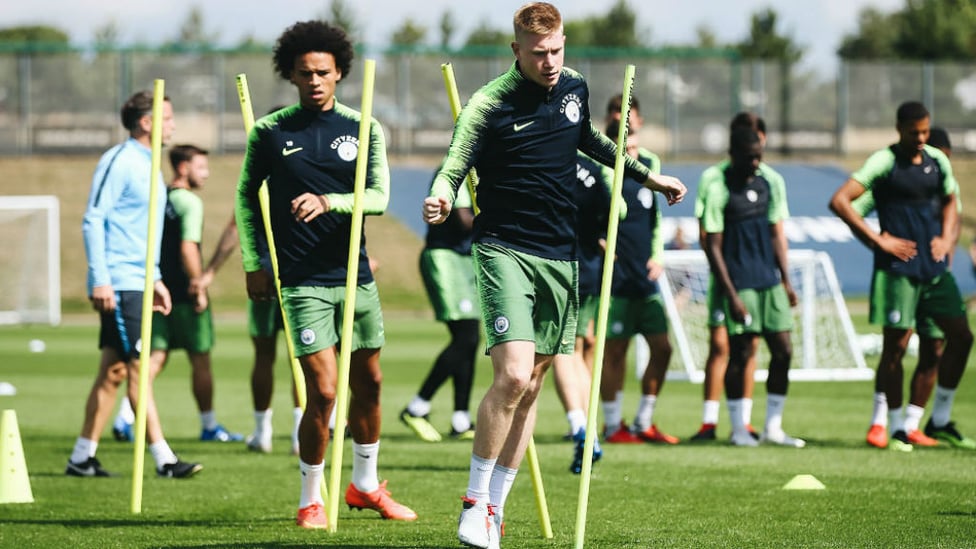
[
  {"x": 263, "y": 545},
  {"x": 965, "y": 514}
]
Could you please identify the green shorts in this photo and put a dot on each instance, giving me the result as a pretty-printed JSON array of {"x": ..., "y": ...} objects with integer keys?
[
  {"x": 897, "y": 301},
  {"x": 769, "y": 308},
  {"x": 527, "y": 298},
  {"x": 715, "y": 301},
  {"x": 589, "y": 308},
  {"x": 449, "y": 279},
  {"x": 183, "y": 328},
  {"x": 314, "y": 314},
  {"x": 630, "y": 316},
  {"x": 263, "y": 318}
]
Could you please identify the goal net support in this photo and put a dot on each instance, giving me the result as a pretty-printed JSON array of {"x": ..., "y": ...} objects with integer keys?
[
  {"x": 825, "y": 345},
  {"x": 30, "y": 260}
]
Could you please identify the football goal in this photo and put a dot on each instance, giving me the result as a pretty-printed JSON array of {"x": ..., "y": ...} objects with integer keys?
[
  {"x": 825, "y": 346},
  {"x": 30, "y": 291}
]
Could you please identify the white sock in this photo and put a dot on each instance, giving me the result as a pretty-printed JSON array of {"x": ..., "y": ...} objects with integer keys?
[
  {"x": 896, "y": 420},
  {"x": 460, "y": 421},
  {"x": 879, "y": 412},
  {"x": 418, "y": 407},
  {"x": 735, "y": 414},
  {"x": 311, "y": 484},
  {"x": 913, "y": 417},
  {"x": 208, "y": 420},
  {"x": 262, "y": 424},
  {"x": 84, "y": 449},
  {"x": 612, "y": 415},
  {"x": 942, "y": 407},
  {"x": 499, "y": 486},
  {"x": 645, "y": 411},
  {"x": 747, "y": 411},
  {"x": 577, "y": 420},
  {"x": 364, "y": 459},
  {"x": 774, "y": 412},
  {"x": 162, "y": 453},
  {"x": 296, "y": 414},
  {"x": 710, "y": 412},
  {"x": 479, "y": 477},
  {"x": 126, "y": 413}
]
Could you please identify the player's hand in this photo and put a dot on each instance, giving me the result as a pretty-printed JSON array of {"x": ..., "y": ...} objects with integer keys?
[
  {"x": 307, "y": 206},
  {"x": 103, "y": 298},
  {"x": 738, "y": 310},
  {"x": 200, "y": 283},
  {"x": 162, "y": 302},
  {"x": 941, "y": 248},
  {"x": 671, "y": 187},
  {"x": 260, "y": 286},
  {"x": 791, "y": 294},
  {"x": 654, "y": 269},
  {"x": 200, "y": 302},
  {"x": 901, "y": 248},
  {"x": 436, "y": 210}
]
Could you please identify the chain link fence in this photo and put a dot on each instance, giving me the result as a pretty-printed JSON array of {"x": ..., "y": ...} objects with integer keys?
[{"x": 64, "y": 100}]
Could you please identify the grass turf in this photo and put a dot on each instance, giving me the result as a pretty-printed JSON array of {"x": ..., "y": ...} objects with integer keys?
[{"x": 708, "y": 495}]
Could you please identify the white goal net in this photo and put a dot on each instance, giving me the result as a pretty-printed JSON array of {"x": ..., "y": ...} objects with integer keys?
[
  {"x": 825, "y": 346},
  {"x": 30, "y": 260}
]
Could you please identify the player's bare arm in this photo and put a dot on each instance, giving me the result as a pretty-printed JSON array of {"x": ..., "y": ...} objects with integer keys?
[
  {"x": 780, "y": 249},
  {"x": 840, "y": 204},
  {"x": 307, "y": 206},
  {"x": 941, "y": 246},
  {"x": 713, "y": 251}
]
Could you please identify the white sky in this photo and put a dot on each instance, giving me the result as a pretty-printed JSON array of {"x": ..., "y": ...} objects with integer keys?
[{"x": 818, "y": 26}]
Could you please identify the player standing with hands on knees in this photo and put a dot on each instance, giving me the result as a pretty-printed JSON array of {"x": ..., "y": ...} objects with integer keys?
[
  {"x": 308, "y": 154},
  {"x": 521, "y": 132}
]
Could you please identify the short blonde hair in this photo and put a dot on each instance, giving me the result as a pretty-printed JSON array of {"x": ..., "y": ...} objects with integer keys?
[{"x": 537, "y": 18}]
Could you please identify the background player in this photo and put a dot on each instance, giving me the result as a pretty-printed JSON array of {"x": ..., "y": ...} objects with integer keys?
[
  {"x": 914, "y": 192},
  {"x": 746, "y": 248}
]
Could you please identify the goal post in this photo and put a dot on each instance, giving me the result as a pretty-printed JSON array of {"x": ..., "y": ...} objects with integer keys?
[
  {"x": 30, "y": 238},
  {"x": 825, "y": 345}
]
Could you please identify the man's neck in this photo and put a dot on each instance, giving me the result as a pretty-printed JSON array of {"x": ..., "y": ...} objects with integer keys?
[{"x": 180, "y": 183}]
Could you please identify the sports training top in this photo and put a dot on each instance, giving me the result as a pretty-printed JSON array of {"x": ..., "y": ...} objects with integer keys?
[
  {"x": 908, "y": 198},
  {"x": 523, "y": 138},
  {"x": 743, "y": 212},
  {"x": 638, "y": 237},
  {"x": 115, "y": 226},
  {"x": 183, "y": 222},
  {"x": 592, "y": 198},
  {"x": 298, "y": 151}
]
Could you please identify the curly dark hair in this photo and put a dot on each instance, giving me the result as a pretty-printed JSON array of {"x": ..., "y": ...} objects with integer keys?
[{"x": 312, "y": 36}]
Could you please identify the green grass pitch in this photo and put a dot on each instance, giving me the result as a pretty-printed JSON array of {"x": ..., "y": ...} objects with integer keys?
[{"x": 641, "y": 496}]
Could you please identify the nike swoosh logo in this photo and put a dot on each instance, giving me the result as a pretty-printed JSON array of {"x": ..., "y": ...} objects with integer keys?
[
  {"x": 288, "y": 152},
  {"x": 520, "y": 127},
  {"x": 364, "y": 456}
]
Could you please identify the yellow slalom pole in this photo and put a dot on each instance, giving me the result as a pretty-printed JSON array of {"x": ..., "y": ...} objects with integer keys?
[
  {"x": 352, "y": 283},
  {"x": 455, "y": 99},
  {"x": 531, "y": 456},
  {"x": 247, "y": 111},
  {"x": 139, "y": 446},
  {"x": 604, "y": 309}
]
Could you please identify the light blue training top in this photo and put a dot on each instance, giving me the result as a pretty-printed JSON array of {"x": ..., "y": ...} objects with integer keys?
[{"x": 116, "y": 222}]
